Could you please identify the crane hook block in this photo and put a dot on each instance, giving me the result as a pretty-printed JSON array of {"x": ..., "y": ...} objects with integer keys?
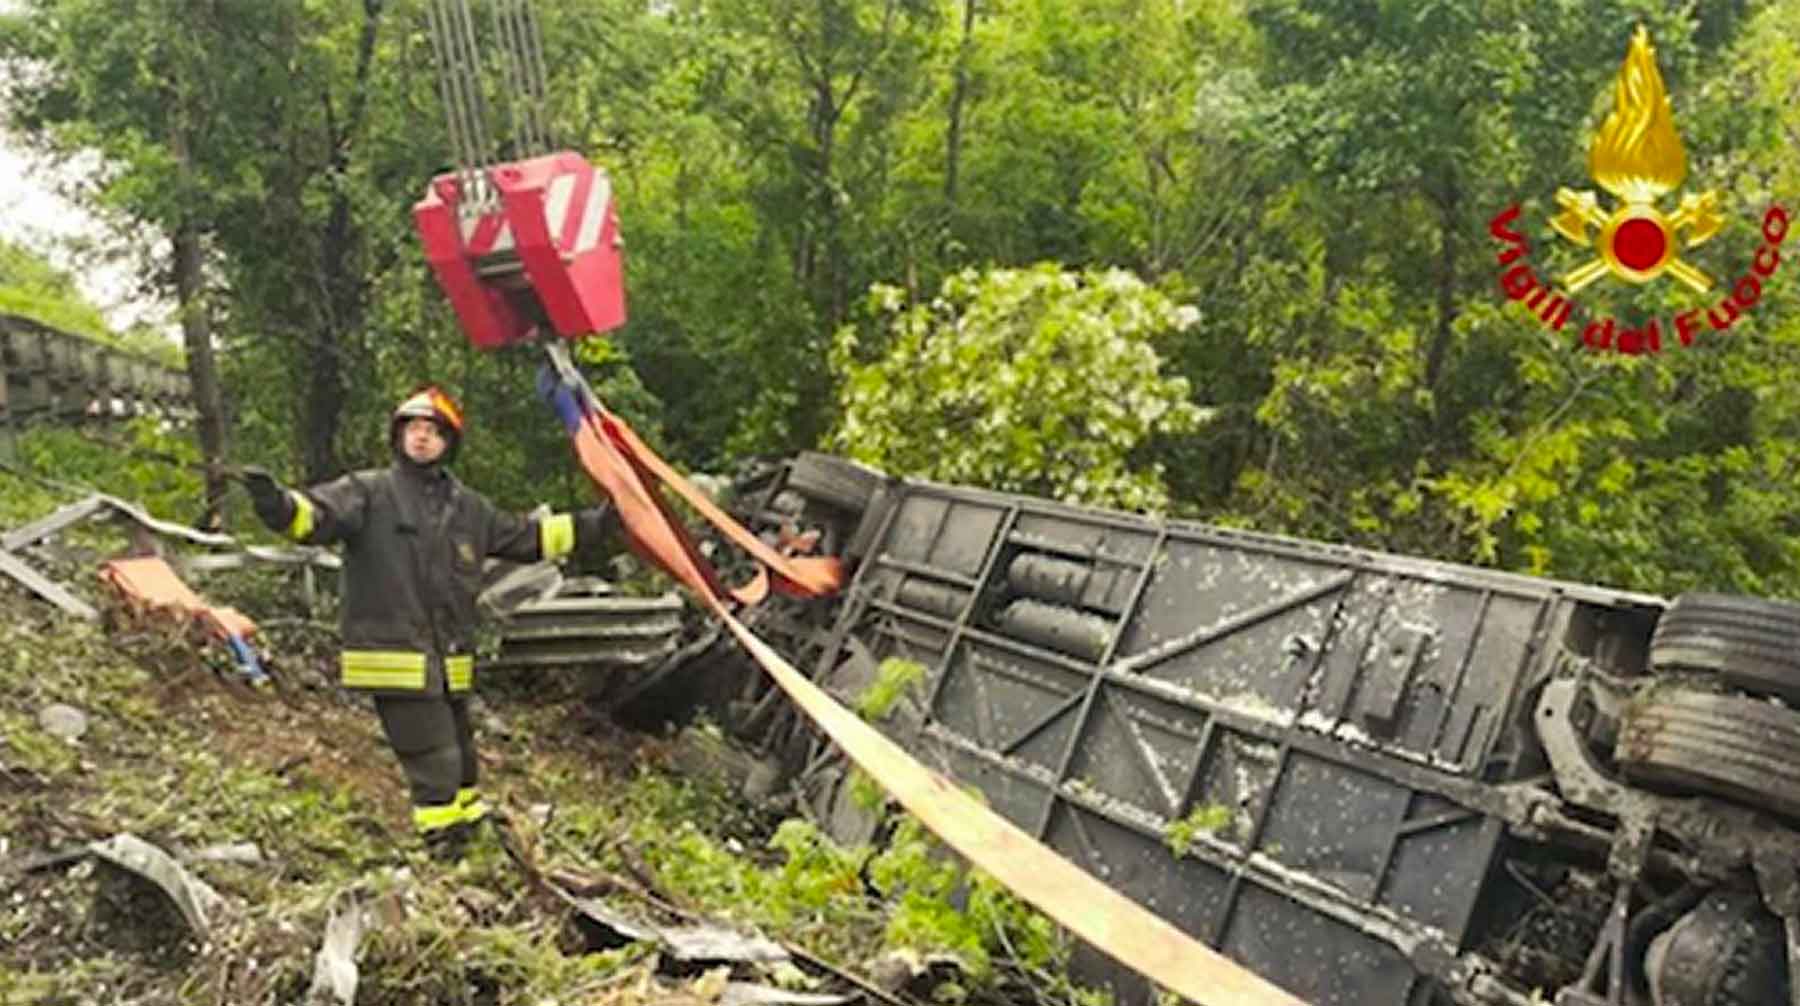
[{"x": 534, "y": 244}]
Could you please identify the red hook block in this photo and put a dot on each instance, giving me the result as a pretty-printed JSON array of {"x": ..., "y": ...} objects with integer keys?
[{"x": 543, "y": 250}]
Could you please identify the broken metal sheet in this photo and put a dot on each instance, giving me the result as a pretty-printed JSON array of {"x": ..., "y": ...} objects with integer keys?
[
  {"x": 50, "y": 523},
  {"x": 196, "y": 900},
  {"x": 334, "y": 969},
  {"x": 46, "y": 588},
  {"x": 690, "y": 943},
  {"x": 263, "y": 553},
  {"x": 164, "y": 527},
  {"x": 717, "y": 943},
  {"x": 534, "y": 582},
  {"x": 622, "y": 927},
  {"x": 752, "y": 994},
  {"x": 44, "y": 861},
  {"x": 74, "y": 513},
  {"x": 227, "y": 852}
]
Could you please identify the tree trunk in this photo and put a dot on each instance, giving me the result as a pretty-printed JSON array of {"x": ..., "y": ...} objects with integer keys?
[
  {"x": 1446, "y": 291},
  {"x": 196, "y": 337},
  {"x": 339, "y": 318},
  {"x": 959, "y": 92},
  {"x": 824, "y": 265}
]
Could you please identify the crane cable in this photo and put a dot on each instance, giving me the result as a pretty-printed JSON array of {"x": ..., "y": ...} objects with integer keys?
[
  {"x": 522, "y": 45},
  {"x": 461, "y": 87}
]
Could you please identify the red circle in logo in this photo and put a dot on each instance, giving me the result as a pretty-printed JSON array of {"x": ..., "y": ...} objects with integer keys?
[{"x": 1640, "y": 244}]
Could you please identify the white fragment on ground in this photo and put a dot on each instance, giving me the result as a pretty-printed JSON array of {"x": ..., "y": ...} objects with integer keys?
[
  {"x": 196, "y": 901},
  {"x": 334, "y": 969},
  {"x": 64, "y": 721}
]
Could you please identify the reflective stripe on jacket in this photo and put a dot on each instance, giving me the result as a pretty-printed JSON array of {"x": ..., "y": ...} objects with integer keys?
[{"x": 413, "y": 545}]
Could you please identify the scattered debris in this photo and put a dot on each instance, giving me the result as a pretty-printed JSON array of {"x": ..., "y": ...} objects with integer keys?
[
  {"x": 230, "y": 852},
  {"x": 71, "y": 514},
  {"x": 191, "y": 896},
  {"x": 64, "y": 721},
  {"x": 912, "y": 973},
  {"x": 147, "y": 584},
  {"x": 45, "y": 587},
  {"x": 751, "y": 994},
  {"x": 334, "y": 969},
  {"x": 700, "y": 943},
  {"x": 704, "y": 754}
]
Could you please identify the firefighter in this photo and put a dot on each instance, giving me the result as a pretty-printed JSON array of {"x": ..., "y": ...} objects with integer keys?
[{"x": 414, "y": 539}]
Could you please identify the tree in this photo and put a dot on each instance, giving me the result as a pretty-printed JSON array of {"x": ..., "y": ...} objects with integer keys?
[
  {"x": 136, "y": 82},
  {"x": 1038, "y": 380}
]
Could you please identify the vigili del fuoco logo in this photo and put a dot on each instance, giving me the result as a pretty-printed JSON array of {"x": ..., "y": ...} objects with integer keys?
[{"x": 1638, "y": 159}]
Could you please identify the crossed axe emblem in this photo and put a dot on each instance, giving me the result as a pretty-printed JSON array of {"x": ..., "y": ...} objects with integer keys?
[{"x": 1636, "y": 240}]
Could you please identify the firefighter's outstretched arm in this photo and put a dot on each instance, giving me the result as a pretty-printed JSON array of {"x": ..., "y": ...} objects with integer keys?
[
  {"x": 522, "y": 539},
  {"x": 320, "y": 516}
]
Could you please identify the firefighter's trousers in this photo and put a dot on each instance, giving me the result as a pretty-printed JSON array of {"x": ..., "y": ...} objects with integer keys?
[{"x": 432, "y": 737}]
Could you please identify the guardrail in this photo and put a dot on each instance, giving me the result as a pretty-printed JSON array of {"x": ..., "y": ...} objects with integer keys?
[{"x": 52, "y": 376}]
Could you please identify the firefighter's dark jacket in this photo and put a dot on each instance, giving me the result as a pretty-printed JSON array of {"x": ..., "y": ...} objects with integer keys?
[{"x": 414, "y": 539}]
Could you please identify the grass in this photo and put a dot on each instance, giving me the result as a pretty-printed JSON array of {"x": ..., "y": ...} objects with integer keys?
[{"x": 32, "y": 288}]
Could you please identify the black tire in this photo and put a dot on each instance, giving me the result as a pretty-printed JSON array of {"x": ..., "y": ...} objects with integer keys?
[
  {"x": 1745, "y": 750},
  {"x": 1752, "y": 643},
  {"x": 835, "y": 482}
]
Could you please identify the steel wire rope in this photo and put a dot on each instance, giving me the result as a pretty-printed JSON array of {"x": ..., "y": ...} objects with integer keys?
[
  {"x": 533, "y": 54},
  {"x": 435, "y": 18},
  {"x": 459, "y": 78},
  {"x": 510, "y": 68},
  {"x": 476, "y": 108},
  {"x": 520, "y": 43}
]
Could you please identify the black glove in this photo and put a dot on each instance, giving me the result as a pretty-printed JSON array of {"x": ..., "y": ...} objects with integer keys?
[
  {"x": 273, "y": 507},
  {"x": 597, "y": 529}
]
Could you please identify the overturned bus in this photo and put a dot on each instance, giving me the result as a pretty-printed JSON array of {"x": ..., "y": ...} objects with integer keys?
[{"x": 1374, "y": 780}]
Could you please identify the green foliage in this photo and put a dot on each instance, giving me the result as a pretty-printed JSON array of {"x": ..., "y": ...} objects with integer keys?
[
  {"x": 894, "y": 677},
  {"x": 922, "y": 882},
  {"x": 1039, "y": 381},
  {"x": 853, "y": 903},
  {"x": 815, "y": 893},
  {"x": 140, "y": 460},
  {"x": 1208, "y": 818},
  {"x": 31, "y": 287},
  {"x": 866, "y": 793}
]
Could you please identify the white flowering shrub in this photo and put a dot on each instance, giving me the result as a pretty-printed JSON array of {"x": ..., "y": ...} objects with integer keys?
[{"x": 1038, "y": 381}]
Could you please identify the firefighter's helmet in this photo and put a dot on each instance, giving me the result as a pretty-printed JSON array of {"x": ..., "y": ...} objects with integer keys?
[{"x": 429, "y": 402}]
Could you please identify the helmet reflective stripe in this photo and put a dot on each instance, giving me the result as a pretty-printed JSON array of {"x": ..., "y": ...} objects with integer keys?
[{"x": 430, "y": 403}]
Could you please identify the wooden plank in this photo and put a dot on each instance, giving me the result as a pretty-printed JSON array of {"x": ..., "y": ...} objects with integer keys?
[{"x": 45, "y": 587}]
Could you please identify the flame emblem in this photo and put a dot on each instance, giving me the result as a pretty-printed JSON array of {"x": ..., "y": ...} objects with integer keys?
[{"x": 1638, "y": 157}]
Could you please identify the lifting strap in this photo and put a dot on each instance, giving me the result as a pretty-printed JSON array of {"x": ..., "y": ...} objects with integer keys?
[{"x": 622, "y": 467}]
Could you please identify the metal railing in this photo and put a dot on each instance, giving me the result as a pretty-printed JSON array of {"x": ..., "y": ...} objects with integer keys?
[{"x": 56, "y": 377}]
